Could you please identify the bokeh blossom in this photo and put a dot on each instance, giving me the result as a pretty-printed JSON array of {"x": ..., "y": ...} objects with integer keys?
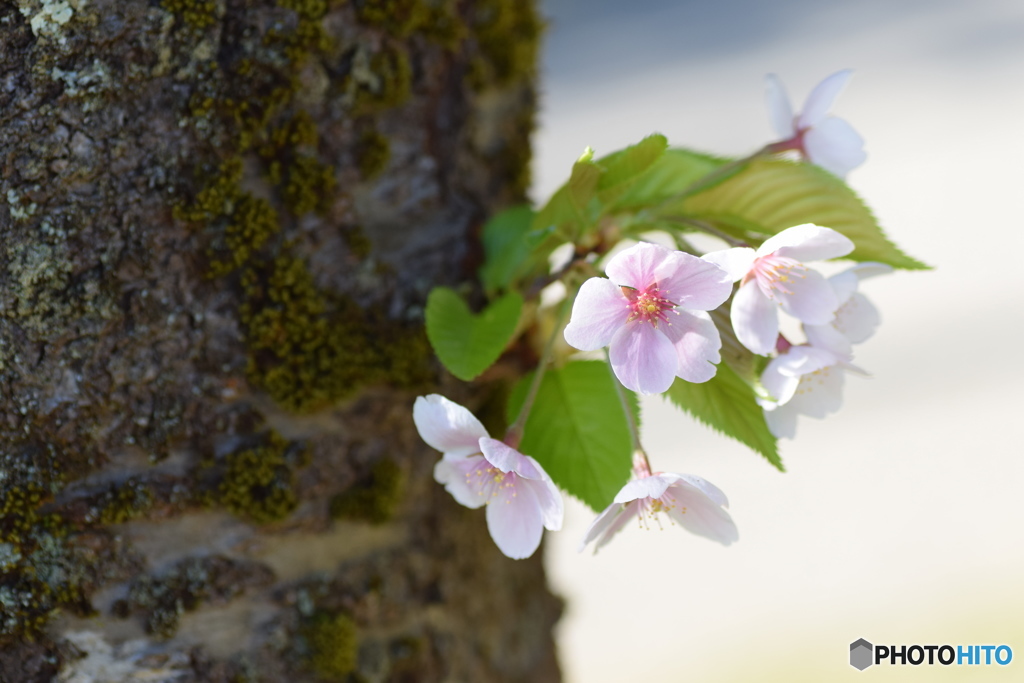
[{"x": 827, "y": 141}]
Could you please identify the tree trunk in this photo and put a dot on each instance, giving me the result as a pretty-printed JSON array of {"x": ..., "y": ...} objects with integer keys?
[{"x": 221, "y": 220}]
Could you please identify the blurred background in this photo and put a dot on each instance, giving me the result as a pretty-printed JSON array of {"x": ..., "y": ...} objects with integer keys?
[{"x": 900, "y": 519}]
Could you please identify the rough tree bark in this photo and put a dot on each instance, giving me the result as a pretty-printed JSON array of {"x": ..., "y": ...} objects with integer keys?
[{"x": 220, "y": 222}]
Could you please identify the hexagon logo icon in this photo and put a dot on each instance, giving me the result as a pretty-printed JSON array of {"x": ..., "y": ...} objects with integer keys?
[{"x": 861, "y": 654}]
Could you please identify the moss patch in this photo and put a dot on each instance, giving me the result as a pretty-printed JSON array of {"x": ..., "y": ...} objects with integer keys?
[
  {"x": 333, "y": 644},
  {"x": 374, "y": 501},
  {"x": 259, "y": 483}
]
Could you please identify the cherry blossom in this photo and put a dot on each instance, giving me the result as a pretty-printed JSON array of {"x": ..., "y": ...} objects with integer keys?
[
  {"x": 477, "y": 470},
  {"x": 650, "y": 312},
  {"x": 803, "y": 380},
  {"x": 692, "y": 502},
  {"x": 827, "y": 141},
  {"x": 856, "y": 318},
  {"x": 774, "y": 276}
]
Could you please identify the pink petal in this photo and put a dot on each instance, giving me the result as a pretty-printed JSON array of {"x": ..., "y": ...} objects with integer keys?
[
  {"x": 609, "y": 523},
  {"x": 502, "y": 456},
  {"x": 869, "y": 269},
  {"x": 697, "y": 343},
  {"x": 822, "y": 98},
  {"x": 807, "y": 242},
  {"x": 780, "y": 113},
  {"x": 755, "y": 319},
  {"x": 636, "y": 266},
  {"x": 643, "y": 358},
  {"x": 599, "y": 311},
  {"x": 446, "y": 426},
  {"x": 700, "y": 515},
  {"x": 844, "y": 284},
  {"x": 834, "y": 145},
  {"x": 692, "y": 282},
  {"x": 516, "y": 522},
  {"x": 809, "y": 299},
  {"x": 653, "y": 486},
  {"x": 737, "y": 261},
  {"x": 458, "y": 479},
  {"x": 549, "y": 500}
]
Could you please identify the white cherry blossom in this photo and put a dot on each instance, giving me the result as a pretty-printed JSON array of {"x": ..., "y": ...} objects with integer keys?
[
  {"x": 827, "y": 141},
  {"x": 477, "y": 470},
  {"x": 774, "y": 276}
]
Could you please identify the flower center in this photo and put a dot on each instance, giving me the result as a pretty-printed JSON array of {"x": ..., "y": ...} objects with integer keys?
[
  {"x": 777, "y": 273},
  {"x": 812, "y": 379},
  {"x": 648, "y": 305},
  {"x": 491, "y": 482},
  {"x": 651, "y": 509}
]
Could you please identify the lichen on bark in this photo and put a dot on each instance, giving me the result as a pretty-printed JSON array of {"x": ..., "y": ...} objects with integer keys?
[{"x": 211, "y": 328}]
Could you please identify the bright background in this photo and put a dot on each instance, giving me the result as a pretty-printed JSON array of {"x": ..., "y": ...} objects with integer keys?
[{"x": 901, "y": 519}]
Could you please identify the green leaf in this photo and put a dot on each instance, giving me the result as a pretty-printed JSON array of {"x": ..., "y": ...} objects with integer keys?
[
  {"x": 577, "y": 430},
  {"x": 770, "y": 195},
  {"x": 625, "y": 167},
  {"x": 726, "y": 403},
  {"x": 468, "y": 344},
  {"x": 507, "y": 251},
  {"x": 672, "y": 173},
  {"x": 570, "y": 207}
]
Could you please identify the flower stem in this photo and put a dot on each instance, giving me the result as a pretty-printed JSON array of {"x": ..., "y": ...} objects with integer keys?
[
  {"x": 514, "y": 433},
  {"x": 634, "y": 432}
]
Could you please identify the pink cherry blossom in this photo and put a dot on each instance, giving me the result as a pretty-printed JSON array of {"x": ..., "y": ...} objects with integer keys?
[
  {"x": 803, "y": 380},
  {"x": 774, "y": 276},
  {"x": 477, "y": 470},
  {"x": 689, "y": 501},
  {"x": 856, "y": 318},
  {"x": 827, "y": 141},
  {"x": 650, "y": 312}
]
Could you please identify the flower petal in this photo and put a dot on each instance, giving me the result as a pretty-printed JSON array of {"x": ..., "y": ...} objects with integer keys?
[
  {"x": 643, "y": 358},
  {"x": 870, "y": 269},
  {"x": 809, "y": 298},
  {"x": 781, "y": 421},
  {"x": 780, "y": 385},
  {"x": 609, "y": 523},
  {"x": 857, "y": 319},
  {"x": 501, "y": 455},
  {"x": 692, "y": 282},
  {"x": 697, "y": 342},
  {"x": 699, "y": 514},
  {"x": 599, "y": 311},
  {"x": 635, "y": 267},
  {"x": 446, "y": 426},
  {"x": 715, "y": 494},
  {"x": 549, "y": 499},
  {"x": 807, "y": 242},
  {"x": 516, "y": 522},
  {"x": 780, "y": 112},
  {"x": 457, "y": 478},
  {"x": 755, "y": 319},
  {"x": 829, "y": 338},
  {"x": 737, "y": 261},
  {"x": 820, "y": 392},
  {"x": 834, "y": 145},
  {"x": 822, "y": 98},
  {"x": 653, "y": 486}
]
